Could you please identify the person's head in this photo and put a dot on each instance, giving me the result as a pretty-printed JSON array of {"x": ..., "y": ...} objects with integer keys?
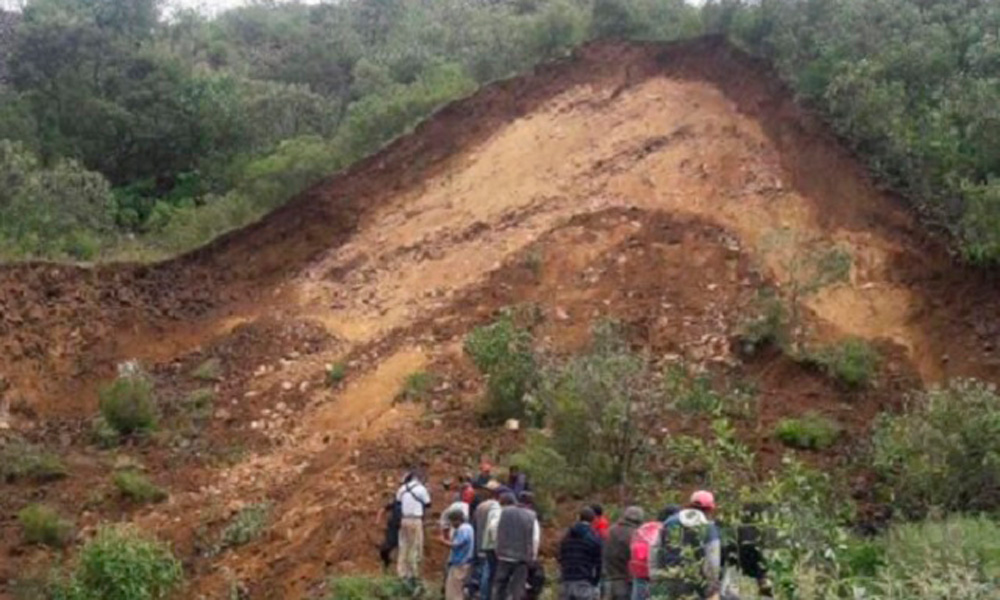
[
  {"x": 468, "y": 494},
  {"x": 446, "y": 483},
  {"x": 493, "y": 488},
  {"x": 485, "y": 467},
  {"x": 703, "y": 500},
  {"x": 587, "y": 514},
  {"x": 508, "y": 498},
  {"x": 668, "y": 511},
  {"x": 598, "y": 509},
  {"x": 634, "y": 515},
  {"x": 526, "y": 499},
  {"x": 408, "y": 477},
  {"x": 514, "y": 469},
  {"x": 456, "y": 518}
]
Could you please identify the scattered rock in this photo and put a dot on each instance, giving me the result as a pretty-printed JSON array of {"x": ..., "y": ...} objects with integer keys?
[{"x": 287, "y": 385}]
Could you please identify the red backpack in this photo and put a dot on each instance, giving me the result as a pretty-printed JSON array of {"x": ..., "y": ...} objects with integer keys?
[{"x": 642, "y": 543}]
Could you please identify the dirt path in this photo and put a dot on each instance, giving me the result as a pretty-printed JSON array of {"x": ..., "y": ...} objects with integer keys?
[{"x": 662, "y": 186}]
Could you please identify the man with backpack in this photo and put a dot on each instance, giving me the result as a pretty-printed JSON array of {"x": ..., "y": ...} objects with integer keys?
[
  {"x": 617, "y": 552},
  {"x": 687, "y": 560},
  {"x": 580, "y": 560},
  {"x": 643, "y": 543},
  {"x": 413, "y": 500}
]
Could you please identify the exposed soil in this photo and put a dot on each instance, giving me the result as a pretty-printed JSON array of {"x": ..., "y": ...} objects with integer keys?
[{"x": 662, "y": 186}]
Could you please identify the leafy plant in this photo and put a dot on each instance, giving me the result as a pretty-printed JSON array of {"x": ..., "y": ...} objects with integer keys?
[
  {"x": 246, "y": 526},
  {"x": 22, "y": 460},
  {"x": 135, "y": 486},
  {"x": 366, "y": 588},
  {"x": 853, "y": 362},
  {"x": 120, "y": 563},
  {"x": 41, "y": 524},
  {"x": 811, "y": 432},
  {"x": 127, "y": 404},
  {"x": 417, "y": 386},
  {"x": 503, "y": 353},
  {"x": 944, "y": 451},
  {"x": 335, "y": 374},
  {"x": 768, "y": 325}
]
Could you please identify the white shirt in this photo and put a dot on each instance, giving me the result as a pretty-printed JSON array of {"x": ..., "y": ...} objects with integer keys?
[{"x": 413, "y": 496}]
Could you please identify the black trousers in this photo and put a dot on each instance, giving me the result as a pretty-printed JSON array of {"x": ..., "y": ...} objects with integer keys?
[{"x": 510, "y": 580}]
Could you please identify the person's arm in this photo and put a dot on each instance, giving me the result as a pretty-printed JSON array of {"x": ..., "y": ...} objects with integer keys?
[
  {"x": 536, "y": 540},
  {"x": 598, "y": 561}
]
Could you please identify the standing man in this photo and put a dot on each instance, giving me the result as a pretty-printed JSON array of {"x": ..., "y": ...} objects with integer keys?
[
  {"x": 487, "y": 520},
  {"x": 580, "y": 560},
  {"x": 687, "y": 559},
  {"x": 518, "y": 536},
  {"x": 462, "y": 544},
  {"x": 618, "y": 581},
  {"x": 414, "y": 500}
]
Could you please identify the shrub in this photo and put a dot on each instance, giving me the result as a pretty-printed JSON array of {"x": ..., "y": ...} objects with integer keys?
[
  {"x": 127, "y": 404},
  {"x": 812, "y": 432},
  {"x": 21, "y": 460},
  {"x": 103, "y": 435},
  {"x": 135, "y": 486},
  {"x": 209, "y": 370},
  {"x": 767, "y": 326},
  {"x": 366, "y": 588},
  {"x": 852, "y": 362},
  {"x": 246, "y": 526},
  {"x": 692, "y": 394},
  {"x": 336, "y": 373},
  {"x": 502, "y": 352},
  {"x": 417, "y": 387},
  {"x": 944, "y": 451},
  {"x": 41, "y": 524},
  {"x": 120, "y": 563},
  {"x": 199, "y": 402}
]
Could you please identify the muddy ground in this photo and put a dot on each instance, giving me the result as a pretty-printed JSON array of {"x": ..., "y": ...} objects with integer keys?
[{"x": 661, "y": 186}]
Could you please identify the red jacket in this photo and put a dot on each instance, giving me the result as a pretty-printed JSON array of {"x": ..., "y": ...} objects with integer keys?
[{"x": 602, "y": 526}]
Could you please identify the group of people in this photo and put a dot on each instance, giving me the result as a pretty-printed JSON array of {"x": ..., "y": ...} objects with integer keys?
[{"x": 493, "y": 533}]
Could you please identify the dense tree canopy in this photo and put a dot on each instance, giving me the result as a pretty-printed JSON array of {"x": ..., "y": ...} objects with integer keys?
[{"x": 227, "y": 117}]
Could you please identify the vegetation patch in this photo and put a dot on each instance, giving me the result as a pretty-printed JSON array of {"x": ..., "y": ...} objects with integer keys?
[
  {"x": 417, "y": 387},
  {"x": 502, "y": 351},
  {"x": 127, "y": 404},
  {"x": 366, "y": 588},
  {"x": 853, "y": 362},
  {"x": 246, "y": 526},
  {"x": 20, "y": 460},
  {"x": 944, "y": 451},
  {"x": 41, "y": 524},
  {"x": 209, "y": 370},
  {"x": 120, "y": 563},
  {"x": 811, "y": 432},
  {"x": 136, "y": 487},
  {"x": 335, "y": 374}
]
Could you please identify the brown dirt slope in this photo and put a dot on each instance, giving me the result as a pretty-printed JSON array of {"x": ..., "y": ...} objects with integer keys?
[{"x": 659, "y": 185}]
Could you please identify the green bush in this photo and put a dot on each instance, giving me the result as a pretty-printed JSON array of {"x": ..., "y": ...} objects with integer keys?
[
  {"x": 120, "y": 563},
  {"x": 127, "y": 404},
  {"x": 246, "y": 526},
  {"x": 767, "y": 326},
  {"x": 362, "y": 587},
  {"x": 853, "y": 362},
  {"x": 21, "y": 460},
  {"x": 811, "y": 432},
  {"x": 417, "y": 387},
  {"x": 503, "y": 353},
  {"x": 944, "y": 451},
  {"x": 335, "y": 374},
  {"x": 135, "y": 486},
  {"x": 209, "y": 370},
  {"x": 41, "y": 524}
]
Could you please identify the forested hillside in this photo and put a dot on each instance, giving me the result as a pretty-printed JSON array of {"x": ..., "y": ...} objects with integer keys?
[{"x": 126, "y": 132}]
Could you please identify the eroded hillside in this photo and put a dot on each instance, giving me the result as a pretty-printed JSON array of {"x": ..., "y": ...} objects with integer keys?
[{"x": 662, "y": 186}]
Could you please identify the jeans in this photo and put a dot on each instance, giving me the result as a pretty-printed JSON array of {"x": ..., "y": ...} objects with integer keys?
[
  {"x": 578, "y": 590},
  {"x": 488, "y": 570},
  {"x": 510, "y": 580},
  {"x": 640, "y": 589},
  {"x": 618, "y": 589}
]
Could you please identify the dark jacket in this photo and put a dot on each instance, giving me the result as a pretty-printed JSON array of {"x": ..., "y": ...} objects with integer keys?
[
  {"x": 618, "y": 550},
  {"x": 580, "y": 555}
]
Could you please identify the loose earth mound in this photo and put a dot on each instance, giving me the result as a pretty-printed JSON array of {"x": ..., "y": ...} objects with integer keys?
[{"x": 662, "y": 186}]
